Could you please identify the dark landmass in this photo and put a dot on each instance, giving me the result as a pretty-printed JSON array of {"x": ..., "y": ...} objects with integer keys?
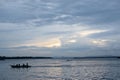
[
  {"x": 27, "y": 57},
  {"x": 23, "y": 57},
  {"x": 2, "y": 57},
  {"x": 97, "y": 57}
]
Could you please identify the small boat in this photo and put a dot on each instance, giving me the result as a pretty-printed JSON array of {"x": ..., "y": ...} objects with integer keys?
[{"x": 20, "y": 66}]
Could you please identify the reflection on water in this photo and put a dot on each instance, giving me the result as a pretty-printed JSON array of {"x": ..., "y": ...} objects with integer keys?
[{"x": 56, "y": 69}]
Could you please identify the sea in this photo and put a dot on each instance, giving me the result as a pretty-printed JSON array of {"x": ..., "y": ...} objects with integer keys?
[{"x": 61, "y": 69}]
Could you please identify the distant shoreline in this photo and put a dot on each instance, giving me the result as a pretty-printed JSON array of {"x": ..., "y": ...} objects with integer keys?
[{"x": 4, "y": 57}]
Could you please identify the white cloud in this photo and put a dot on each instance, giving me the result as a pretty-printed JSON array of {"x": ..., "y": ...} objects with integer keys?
[
  {"x": 71, "y": 41},
  {"x": 50, "y": 43},
  {"x": 100, "y": 42},
  {"x": 90, "y": 32}
]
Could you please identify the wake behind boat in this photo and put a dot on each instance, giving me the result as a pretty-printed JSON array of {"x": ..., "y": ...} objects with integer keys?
[{"x": 20, "y": 66}]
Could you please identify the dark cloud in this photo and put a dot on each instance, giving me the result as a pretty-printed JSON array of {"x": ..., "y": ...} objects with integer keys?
[{"x": 95, "y": 11}]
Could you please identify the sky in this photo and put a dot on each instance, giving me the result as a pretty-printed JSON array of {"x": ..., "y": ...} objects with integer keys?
[{"x": 60, "y": 28}]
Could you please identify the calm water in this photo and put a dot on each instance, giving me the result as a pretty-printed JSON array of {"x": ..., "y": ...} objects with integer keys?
[{"x": 56, "y": 69}]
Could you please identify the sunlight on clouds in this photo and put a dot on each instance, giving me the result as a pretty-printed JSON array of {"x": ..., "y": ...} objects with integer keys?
[
  {"x": 55, "y": 42},
  {"x": 90, "y": 32},
  {"x": 62, "y": 16},
  {"x": 100, "y": 43},
  {"x": 71, "y": 41}
]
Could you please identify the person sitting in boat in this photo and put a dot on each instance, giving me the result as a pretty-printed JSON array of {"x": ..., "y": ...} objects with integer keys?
[
  {"x": 26, "y": 64},
  {"x": 23, "y": 65}
]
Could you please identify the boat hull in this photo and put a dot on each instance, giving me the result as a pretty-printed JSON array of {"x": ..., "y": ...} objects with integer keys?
[{"x": 12, "y": 66}]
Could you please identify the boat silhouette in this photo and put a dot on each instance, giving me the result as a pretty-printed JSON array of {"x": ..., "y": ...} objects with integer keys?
[{"x": 20, "y": 66}]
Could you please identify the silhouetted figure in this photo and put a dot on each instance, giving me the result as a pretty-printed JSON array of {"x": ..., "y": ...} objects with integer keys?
[
  {"x": 27, "y": 64},
  {"x": 18, "y": 65},
  {"x": 23, "y": 65}
]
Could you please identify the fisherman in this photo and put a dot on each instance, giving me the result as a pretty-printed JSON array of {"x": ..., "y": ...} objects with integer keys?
[
  {"x": 26, "y": 64},
  {"x": 23, "y": 65},
  {"x": 18, "y": 65}
]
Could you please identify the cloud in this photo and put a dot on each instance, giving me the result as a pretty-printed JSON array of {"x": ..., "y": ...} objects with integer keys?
[
  {"x": 68, "y": 11},
  {"x": 59, "y": 27},
  {"x": 50, "y": 43},
  {"x": 100, "y": 42},
  {"x": 90, "y": 32},
  {"x": 71, "y": 41}
]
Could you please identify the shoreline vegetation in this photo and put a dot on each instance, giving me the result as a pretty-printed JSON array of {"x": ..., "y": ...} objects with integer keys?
[{"x": 30, "y": 57}]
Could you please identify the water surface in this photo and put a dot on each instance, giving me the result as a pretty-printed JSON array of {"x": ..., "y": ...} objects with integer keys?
[{"x": 58, "y": 69}]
